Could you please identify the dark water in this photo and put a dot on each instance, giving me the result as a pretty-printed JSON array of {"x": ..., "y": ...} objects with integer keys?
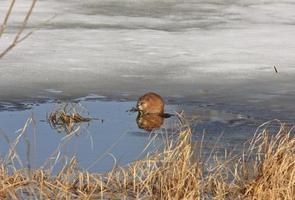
[{"x": 97, "y": 143}]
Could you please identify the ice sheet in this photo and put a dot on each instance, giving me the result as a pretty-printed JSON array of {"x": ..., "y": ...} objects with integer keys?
[{"x": 222, "y": 50}]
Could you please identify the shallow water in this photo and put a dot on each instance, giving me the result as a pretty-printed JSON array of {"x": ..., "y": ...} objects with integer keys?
[
  {"x": 213, "y": 59},
  {"x": 95, "y": 143},
  {"x": 113, "y": 133}
]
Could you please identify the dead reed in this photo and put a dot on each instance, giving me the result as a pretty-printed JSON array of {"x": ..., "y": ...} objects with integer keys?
[
  {"x": 66, "y": 118},
  {"x": 264, "y": 170}
]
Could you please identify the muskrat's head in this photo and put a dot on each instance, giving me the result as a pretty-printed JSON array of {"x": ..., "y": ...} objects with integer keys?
[{"x": 141, "y": 106}]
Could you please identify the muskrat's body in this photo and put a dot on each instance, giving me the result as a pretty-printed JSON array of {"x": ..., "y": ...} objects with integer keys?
[{"x": 150, "y": 103}]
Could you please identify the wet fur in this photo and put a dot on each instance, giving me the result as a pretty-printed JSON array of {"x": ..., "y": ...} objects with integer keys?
[{"x": 150, "y": 103}]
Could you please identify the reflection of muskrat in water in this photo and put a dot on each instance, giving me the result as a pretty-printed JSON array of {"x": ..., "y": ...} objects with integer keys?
[
  {"x": 150, "y": 103},
  {"x": 149, "y": 122}
]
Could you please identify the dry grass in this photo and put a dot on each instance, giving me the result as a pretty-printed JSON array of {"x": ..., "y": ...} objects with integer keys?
[
  {"x": 66, "y": 118},
  {"x": 274, "y": 168},
  {"x": 264, "y": 170}
]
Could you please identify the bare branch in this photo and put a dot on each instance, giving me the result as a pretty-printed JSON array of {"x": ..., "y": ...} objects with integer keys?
[{"x": 17, "y": 39}]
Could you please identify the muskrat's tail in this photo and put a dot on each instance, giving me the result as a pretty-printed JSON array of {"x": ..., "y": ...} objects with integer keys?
[{"x": 167, "y": 115}]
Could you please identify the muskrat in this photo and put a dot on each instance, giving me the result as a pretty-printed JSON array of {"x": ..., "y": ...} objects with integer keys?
[{"x": 150, "y": 103}]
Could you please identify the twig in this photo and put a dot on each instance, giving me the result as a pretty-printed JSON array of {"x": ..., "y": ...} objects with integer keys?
[
  {"x": 276, "y": 70},
  {"x": 17, "y": 39},
  {"x": 3, "y": 26}
]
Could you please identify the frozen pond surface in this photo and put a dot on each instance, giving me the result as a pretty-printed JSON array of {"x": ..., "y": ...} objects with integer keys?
[
  {"x": 214, "y": 50},
  {"x": 212, "y": 59}
]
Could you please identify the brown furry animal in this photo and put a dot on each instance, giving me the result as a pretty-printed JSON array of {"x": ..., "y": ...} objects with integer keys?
[{"x": 150, "y": 103}]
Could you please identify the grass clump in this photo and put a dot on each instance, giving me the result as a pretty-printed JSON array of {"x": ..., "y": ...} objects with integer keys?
[
  {"x": 274, "y": 168},
  {"x": 66, "y": 118},
  {"x": 264, "y": 170}
]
